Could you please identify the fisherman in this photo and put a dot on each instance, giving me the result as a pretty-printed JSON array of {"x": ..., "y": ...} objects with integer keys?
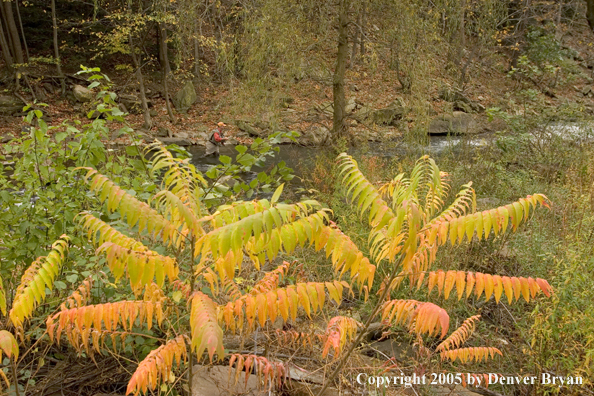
[{"x": 215, "y": 140}]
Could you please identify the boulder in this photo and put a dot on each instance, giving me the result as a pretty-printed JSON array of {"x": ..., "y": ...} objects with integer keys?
[
  {"x": 387, "y": 116},
  {"x": 460, "y": 101},
  {"x": 326, "y": 108},
  {"x": 259, "y": 129},
  {"x": 10, "y": 105},
  {"x": 400, "y": 350},
  {"x": 176, "y": 140},
  {"x": 82, "y": 94},
  {"x": 457, "y": 123},
  {"x": 185, "y": 97},
  {"x": 163, "y": 132},
  {"x": 450, "y": 94},
  {"x": 183, "y": 135},
  {"x": 315, "y": 136},
  {"x": 219, "y": 381},
  {"x": 132, "y": 103},
  {"x": 468, "y": 107},
  {"x": 350, "y": 106}
]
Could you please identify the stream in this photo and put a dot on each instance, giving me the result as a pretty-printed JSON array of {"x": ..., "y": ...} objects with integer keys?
[{"x": 302, "y": 158}]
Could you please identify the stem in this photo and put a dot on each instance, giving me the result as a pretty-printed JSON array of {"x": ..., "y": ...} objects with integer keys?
[
  {"x": 193, "y": 277},
  {"x": 14, "y": 378},
  {"x": 41, "y": 185},
  {"x": 56, "y": 48},
  {"x": 22, "y": 30},
  {"x": 357, "y": 341}
]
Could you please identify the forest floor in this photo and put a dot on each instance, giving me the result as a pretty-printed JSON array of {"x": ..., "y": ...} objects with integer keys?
[{"x": 373, "y": 85}]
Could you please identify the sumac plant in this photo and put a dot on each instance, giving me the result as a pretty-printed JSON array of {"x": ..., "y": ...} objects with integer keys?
[{"x": 179, "y": 254}]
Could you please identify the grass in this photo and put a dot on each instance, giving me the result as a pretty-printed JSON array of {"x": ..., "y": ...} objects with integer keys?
[{"x": 552, "y": 335}]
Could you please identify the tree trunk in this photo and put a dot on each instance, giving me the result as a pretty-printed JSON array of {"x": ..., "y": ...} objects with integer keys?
[
  {"x": 462, "y": 32},
  {"x": 22, "y": 30},
  {"x": 147, "y": 116},
  {"x": 5, "y": 48},
  {"x": 590, "y": 13},
  {"x": 56, "y": 48},
  {"x": 362, "y": 32},
  {"x": 163, "y": 56},
  {"x": 196, "y": 52},
  {"x": 339, "y": 127},
  {"x": 13, "y": 32},
  {"x": 521, "y": 31},
  {"x": 163, "y": 35},
  {"x": 355, "y": 46}
]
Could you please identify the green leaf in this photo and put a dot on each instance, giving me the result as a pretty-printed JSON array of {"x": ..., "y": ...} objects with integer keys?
[
  {"x": 72, "y": 278},
  {"x": 60, "y": 285},
  {"x": 176, "y": 296},
  {"x": 225, "y": 159},
  {"x": 277, "y": 194},
  {"x": 212, "y": 173},
  {"x": 241, "y": 149},
  {"x": 132, "y": 150},
  {"x": 60, "y": 136},
  {"x": 246, "y": 160}
]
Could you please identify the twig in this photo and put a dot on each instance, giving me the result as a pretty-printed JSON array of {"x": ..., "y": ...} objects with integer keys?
[{"x": 357, "y": 341}]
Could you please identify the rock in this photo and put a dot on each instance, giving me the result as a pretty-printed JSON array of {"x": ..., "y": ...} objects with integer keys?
[
  {"x": 374, "y": 331},
  {"x": 463, "y": 106},
  {"x": 163, "y": 132},
  {"x": 185, "y": 97},
  {"x": 350, "y": 106},
  {"x": 458, "y": 123},
  {"x": 5, "y": 139},
  {"x": 218, "y": 381},
  {"x": 460, "y": 101},
  {"x": 387, "y": 116},
  {"x": 450, "y": 94},
  {"x": 10, "y": 105},
  {"x": 401, "y": 351},
  {"x": 132, "y": 103},
  {"x": 468, "y": 107},
  {"x": 315, "y": 136},
  {"x": 175, "y": 140},
  {"x": 326, "y": 108},
  {"x": 82, "y": 94},
  {"x": 153, "y": 112},
  {"x": 251, "y": 129},
  {"x": 202, "y": 135},
  {"x": 183, "y": 135}
]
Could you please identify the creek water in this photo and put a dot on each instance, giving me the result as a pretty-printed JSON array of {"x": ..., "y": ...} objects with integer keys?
[{"x": 302, "y": 158}]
